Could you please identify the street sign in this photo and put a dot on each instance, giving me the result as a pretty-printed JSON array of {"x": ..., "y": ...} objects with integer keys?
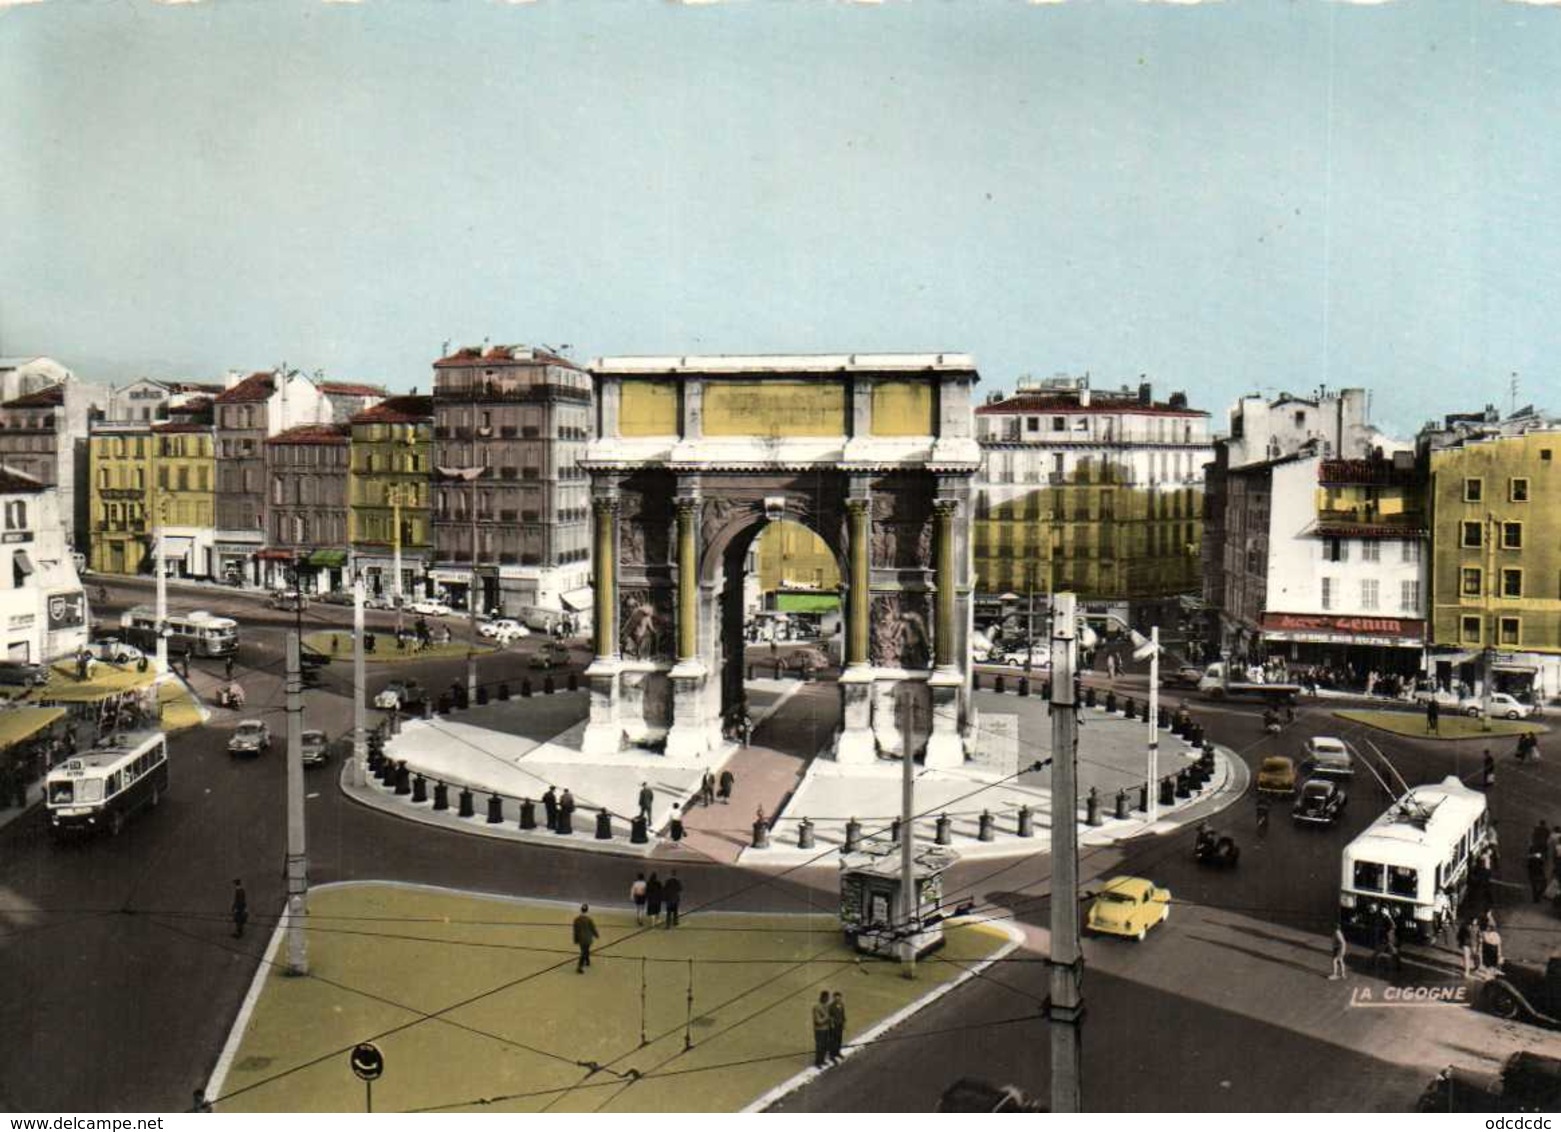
[{"x": 367, "y": 1062}]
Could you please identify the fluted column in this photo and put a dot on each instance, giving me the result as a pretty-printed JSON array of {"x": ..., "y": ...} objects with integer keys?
[
  {"x": 688, "y": 579},
  {"x": 860, "y": 553},
  {"x": 944, "y": 512},
  {"x": 604, "y": 559}
]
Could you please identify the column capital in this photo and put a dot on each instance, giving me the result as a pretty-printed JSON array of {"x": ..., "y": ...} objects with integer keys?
[
  {"x": 945, "y": 508},
  {"x": 605, "y": 504},
  {"x": 688, "y": 506},
  {"x": 859, "y": 507}
]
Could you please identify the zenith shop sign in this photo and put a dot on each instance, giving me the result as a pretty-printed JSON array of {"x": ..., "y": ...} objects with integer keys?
[{"x": 1397, "y": 627}]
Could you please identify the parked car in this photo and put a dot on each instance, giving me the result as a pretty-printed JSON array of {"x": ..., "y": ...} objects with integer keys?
[
  {"x": 1426, "y": 691},
  {"x": 401, "y": 695},
  {"x": 1276, "y": 775},
  {"x": 1182, "y": 676},
  {"x": 1320, "y": 801},
  {"x": 316, "y": 748},
  {"x": 114, "y": 651},
  {"x": 1129, "y": 906},
  {"x": 21, "y": 674},
  {"x": 1503, "y": 706},
  {"x": 251, "y": 738},
  {"x": 427, "y": 607},
  {"x": 504, "y": 629},
  {"x": 550, "y": 655},
  {"x": 1525, "y": 993},
  {"x": 1527, "y": 1082},
  {"x": 290, "y": 600},
  {"x": 1327, "y": 755},
  {"x": 379, "y": 601},
  {"x": 335, "y": 597}
]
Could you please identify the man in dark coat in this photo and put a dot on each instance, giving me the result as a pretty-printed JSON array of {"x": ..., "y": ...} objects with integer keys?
[
  {"x": 647, "y": 800},
  {"x": 837, "y": 1026},
  {"x": 1433, "y": 715},
  {"x": 727, "y": 782},
  {"x": 566, "y": 810},
  {"x": 653, "y": 898},
  {"x": 672, "y": 896},
  {"x": 585, "y": 934},
  {"x": 1537, "y": 875},
  {"x": 821, "y": 1029},
  {"x": 240, "y": 909},
  {"x": 550, "y": 808}
]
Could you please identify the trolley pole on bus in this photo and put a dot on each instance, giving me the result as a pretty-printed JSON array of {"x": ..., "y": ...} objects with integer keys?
[
  {"x": 360, "y": 753},
  {"x": 1065, "y": 1006},
  {"x": 297, "y": 857}
]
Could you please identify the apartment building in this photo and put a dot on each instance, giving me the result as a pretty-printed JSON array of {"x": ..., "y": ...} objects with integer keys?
[
  {"x": 43, "y": 609},
  {"x": 391, "y": 525},
  {"x": 306, "y": 508}
]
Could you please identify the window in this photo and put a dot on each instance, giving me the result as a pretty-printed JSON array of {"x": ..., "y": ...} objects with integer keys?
[
  {"x": 1368, "y": 876},
  {"x": 1472, "y": 581},
  {"x": 1330, "y": 592},
  {"x": 1059, "y": 424},
  {"x": 1509, "y": 631},
  {"x": 1473, "y": 490},
  {"x": 1336, "y": 550},
  {"x": 1470, "y": 630},
  {"x": 1511, "y": 582},
  {"x": 1368, "y": 593},
  {"x": 1512, "y": 536},
  {"x": 1403, "y": 881},
  {"x": 1471, "y": 534},
  {"x": 1300, "y": 418},
  {"x": 1409, "y": 597},
  {"x": 16, "y": 515},
  {"x": 1370, "y": 551},
  {"x": 1517, "y": 489}
]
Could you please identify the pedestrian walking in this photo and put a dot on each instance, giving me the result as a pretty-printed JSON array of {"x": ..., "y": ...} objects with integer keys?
[
  {"x": 185, "y": 658},
  {"x": 727, "y": 782},
  {"x": 566, "y": 810},
  {"x": 1466, "y": 947},
  {"x": 585, "y": 934},
  {"x": 672, "y": 896},
  {"x": 240, "y": 909},
  {"x": 837, "y": 1025},
  {"x": 647, "y": 800},
  {"x": 1433, "y": 717},
  {"x": 821, "y": 1029},
  {"x": 1341, "y": 948},
  {"x": 1491, "y": 954},
  {"x": 707, "y": 789},
  {"x": 653, "y": 898},
  {"x": 637, "y": 894},
  {"x": 747, "y": 726},
  {"x": 1487, "y": 771},
  {"x": 1538, "y": 876},
  {"x": 550, "y": 808},
  {"x": 1391, "y": 937}
]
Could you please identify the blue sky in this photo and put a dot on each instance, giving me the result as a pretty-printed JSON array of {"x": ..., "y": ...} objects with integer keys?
[{"x": 1227, "y": 197}]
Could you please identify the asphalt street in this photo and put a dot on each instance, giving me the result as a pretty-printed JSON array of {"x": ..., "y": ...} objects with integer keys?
[{"x": 124, "y": 977}]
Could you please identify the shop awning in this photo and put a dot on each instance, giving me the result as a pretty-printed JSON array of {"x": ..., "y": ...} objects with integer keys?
[
  {"x": 329, "y": 558},
  {"x": 581, "y": 600},
  {"x": 807, "y": 603},
  {"x": 177, "y": 546},
  {"x": 17, "y": 724},
  {"x": 277, "y": 554}
]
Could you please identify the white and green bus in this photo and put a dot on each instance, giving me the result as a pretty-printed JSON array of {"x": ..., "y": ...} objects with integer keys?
[{"x": 99, "y": 789}]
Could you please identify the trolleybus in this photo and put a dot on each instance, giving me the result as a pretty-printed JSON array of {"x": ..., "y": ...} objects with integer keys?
[
  {"x": 203, "y": 633},
  {"x": 99, "y": 789}
]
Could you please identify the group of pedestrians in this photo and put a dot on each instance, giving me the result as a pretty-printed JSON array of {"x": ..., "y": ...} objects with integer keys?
[
  {"x": 558, "y": 810},
  {"x": 656, "y": 901},
  {"x": 1479, "y": 943},
  {"x": 829, "y": 1028},
  {"x": 711, "y": 788}
]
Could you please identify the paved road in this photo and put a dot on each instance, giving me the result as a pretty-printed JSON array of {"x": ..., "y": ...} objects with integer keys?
[{"x": 133, "y": 978}]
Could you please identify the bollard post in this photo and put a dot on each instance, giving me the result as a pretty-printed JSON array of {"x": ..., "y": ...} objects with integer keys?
[
  {"x": 1092, "y": 805},
  {"x": 574, "y": 681},
  {"x": 1046, "y": 690},
  {"x": 528, "y": 814},
  {"x": 1121, "y": 812},
  {"x": 638, "y": 833},
  {"x": 548, "y": 687},
  {"x": 1129, "y": 708},
  {"x": 428, "y": 709},
  {"x": 1167, "y": 792},
  {"x": 1089, "y": 697},
  {"x": 975, "y": 681},
  {"x": 999, "y": 685},
  {"x": 603, "y": 825},
  {"x": 395, "y": 722},
  {"x": 1024, "y": 685},
  {"x": 441, "y": 796},
  {"x": 387, "y": 772},
  {"x": 804, "y": 834},
  {"x": 504, "y": 691},
  {"x": 403, "y": 779},
  {"x": 468, "y": 804},
  {"x": 482, "y": 694},
  {"x": 988, "y": 829},
  {"x": 495, "y": 810},
  {"x": 525, "y": 688},
  {"x": 853, "y": 836},
  {"x": 419, "y": 789},
  {"x": 1111, "y": 701},
  {"x": 751, "y": 676},
  {"x": 761, "y": 835},
  {"x": 1183, "y": 786},
  {"x": 945, "y": 831},
  {"x": 1143, "y": 798},
  {"x": 1026, "y": 822}
]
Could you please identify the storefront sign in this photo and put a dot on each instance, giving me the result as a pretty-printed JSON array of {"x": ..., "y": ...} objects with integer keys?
[
  {"x": 67, "y": 611},
  {"x": 1295, "y": 624},
  {"x": 16, "y": 536},
  {"x": 21, "y": 621}
]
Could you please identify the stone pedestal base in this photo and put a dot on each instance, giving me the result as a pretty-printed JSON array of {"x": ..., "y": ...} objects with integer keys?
[
  {"x": 856, "y": 743},
  {"x": 945, "y": 746},
  {"x": 689, "y": 737},
  {"x": 604, "y": 732}
]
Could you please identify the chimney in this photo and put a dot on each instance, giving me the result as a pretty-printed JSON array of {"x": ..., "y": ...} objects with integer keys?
[
  {"x": 1145, "y": 392},
  {"x": 232, "y": 378}
]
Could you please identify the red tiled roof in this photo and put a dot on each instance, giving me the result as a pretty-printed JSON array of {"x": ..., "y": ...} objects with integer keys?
[
  {"x": 409, "y": 409},
  {"x": 312, "y": 434},
  {"x": 49, "y": 398},
  {"x": 255, "y": 387},
  {"x": 13, "y": 481},
  {"x": 1062, "y": 406},
  {"x": 471, "y": 355},
  {"x": 350, "y": 389}
]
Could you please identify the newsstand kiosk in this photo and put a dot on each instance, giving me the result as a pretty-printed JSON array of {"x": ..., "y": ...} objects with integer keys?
[{"x": 870, "y": 899}]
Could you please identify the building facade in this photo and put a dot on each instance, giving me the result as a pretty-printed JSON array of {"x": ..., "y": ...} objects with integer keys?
[
  {"x": 43, "y": 610},
  {"x": 306, "y": 508},
  {"x": 1496, "y": 554},
  {"x": 119, "y": 497},
  {"x": 1094, "y": 491},
  {"x": 43, "y": 434},
  {"x": 391, "y": 523},
  {"x": 184, "y": 496},
  {"x": 511, "y": 504}
]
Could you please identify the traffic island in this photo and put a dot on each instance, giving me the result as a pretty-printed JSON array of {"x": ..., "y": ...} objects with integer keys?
[
  {"x": 1412, "y": 724},
  {"x": 475, "y": 1005},
  {"x": 338, "y": 646}
]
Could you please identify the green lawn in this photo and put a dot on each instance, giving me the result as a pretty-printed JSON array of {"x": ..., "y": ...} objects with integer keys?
[
  {"x": 518, "y": 1021},
  {"x": 1450, "y": 726},
  {"x": 339, "y": 645}
]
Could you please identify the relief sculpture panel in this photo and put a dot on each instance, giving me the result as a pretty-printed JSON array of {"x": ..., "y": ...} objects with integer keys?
[
  {"x": 902, "y": 634},
  {"x": 645, "y": 615}
]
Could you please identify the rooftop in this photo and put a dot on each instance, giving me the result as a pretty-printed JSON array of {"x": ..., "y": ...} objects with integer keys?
[
  {"x": 50, "y": 398},
  {"x": 312, "y": 434},
  {"x": 785, "y": 363},
  {"x": 1063, "y": 404},
  {"x": 350, "y": 389},
  {"x": 255, "y": 387},
  {"x": 13, "y": 482},
  {"x": 410, "y": 409},
  {"x": 473, "y": 355}
]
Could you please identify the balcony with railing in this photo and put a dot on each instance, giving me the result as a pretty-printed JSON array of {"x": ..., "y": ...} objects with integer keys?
[
  {"x": 492, "y": 392},
  {"x": 1369, "y": 522}
]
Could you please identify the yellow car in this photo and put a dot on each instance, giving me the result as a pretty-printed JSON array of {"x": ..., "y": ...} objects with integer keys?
[
  {"x": 1129, "y": 906},
  {"x": 1276, "y": 776}
]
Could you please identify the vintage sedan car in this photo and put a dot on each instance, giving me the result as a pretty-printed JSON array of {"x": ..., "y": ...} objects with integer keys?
[
  {"x": 400, "y": 695},
  {"x": 1320, "y": 801},
  {"x": 1182, "y": 676},
  {"x": 317, "y": 747},
  {"x": 114, "y": 651},
  {"x": 503, "y": 629},
  {"x": 251, "y": 738},
  {"x": 1325, "y": 755},
  {"x": 1129, "y": 906},
  {"x": 1503, "y": 706},
  {"x": 1276, "y": 775},
  {"x": 428, "y": 607}
]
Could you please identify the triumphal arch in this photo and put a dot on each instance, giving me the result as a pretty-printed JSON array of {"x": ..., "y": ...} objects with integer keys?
[{"x": 694, "y": 455}]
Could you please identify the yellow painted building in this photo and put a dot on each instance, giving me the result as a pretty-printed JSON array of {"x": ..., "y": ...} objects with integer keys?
[
  {"x": 119, "y": 471},
  {"x": 790, "y": 555},
  {"x": 389, "y": 493},
  {"x": 1496, "y": 555},
  {"x": 184, "y": 495}
]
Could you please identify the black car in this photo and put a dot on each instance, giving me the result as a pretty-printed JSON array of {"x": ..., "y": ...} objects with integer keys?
[
  {"x": 1320, "y": 801},
  {"x": 20, "y": 674}
]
